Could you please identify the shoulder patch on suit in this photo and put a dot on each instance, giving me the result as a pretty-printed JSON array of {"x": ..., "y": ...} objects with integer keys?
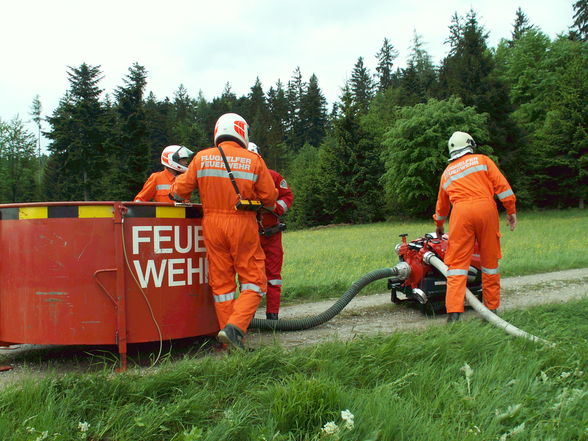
[{"x": 283, "y": 184}]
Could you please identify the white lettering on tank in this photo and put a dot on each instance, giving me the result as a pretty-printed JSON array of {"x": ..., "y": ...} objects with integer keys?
[
  {"x": 138, "y": 239},
  {"x": 158, "y": 238}
]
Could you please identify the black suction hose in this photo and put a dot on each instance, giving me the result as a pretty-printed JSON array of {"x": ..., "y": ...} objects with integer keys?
[{"x": 311, "y": 322}]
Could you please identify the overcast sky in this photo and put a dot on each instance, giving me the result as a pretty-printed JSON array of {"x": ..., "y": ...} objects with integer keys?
[{"x": 205, "y": 44}]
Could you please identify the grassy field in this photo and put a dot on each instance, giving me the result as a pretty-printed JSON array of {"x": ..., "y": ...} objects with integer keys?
[
  {"x": 469, "y": 381},
  {"x": 323, "y": 262}
]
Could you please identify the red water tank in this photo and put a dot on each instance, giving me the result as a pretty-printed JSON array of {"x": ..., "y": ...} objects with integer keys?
[{"x": 103, "y": 273}]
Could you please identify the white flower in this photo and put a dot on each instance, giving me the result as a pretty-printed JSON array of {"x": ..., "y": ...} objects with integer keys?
[
  {"x": 348, "y": 417},
  {"x": 510, "y": 411},
  {"x": 468, "y": 375},
  {"x": 43, "y": 436},
  {"x": 518, "y": 429},
  {"x": 30, "y": 429},
  {"x": 330, "y": 428},
  {"x": 565, "y": 374},
  {"x": 83, "y": 426}
]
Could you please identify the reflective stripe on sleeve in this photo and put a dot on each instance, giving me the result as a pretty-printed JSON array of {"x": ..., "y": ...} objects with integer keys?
[
  {"x": 469, "y": 171},
  {"x": 282, "y": 204},
  {"x": 275, "y": 282},
  {"x": 219, "y": 298},
  {"x": 250, "y": 286},
  {"x": 211, "y": 172},
  {"x": 490, "y": 270},
  {"x": 163, "y": 187},
  {"x": 457, "y": 272},
  {"x": 440, "y": 217},
  {"x": 504, "y": 194}
]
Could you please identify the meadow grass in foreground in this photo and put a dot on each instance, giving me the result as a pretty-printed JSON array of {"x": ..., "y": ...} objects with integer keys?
[
  {"x": 322, "y": 263},
  {"x": 469, "y": 381}
]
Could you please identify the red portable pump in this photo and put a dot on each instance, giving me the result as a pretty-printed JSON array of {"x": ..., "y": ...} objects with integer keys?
[{"x": 422, "y": 283}]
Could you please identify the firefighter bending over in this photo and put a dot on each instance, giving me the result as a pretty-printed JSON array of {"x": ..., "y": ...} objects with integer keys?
[
  {"x": 174, "y": 158},
  {"x": 271, "y": 241},
  {"x": 469, "y": 184},
  {"x": 229, "y": 224}
]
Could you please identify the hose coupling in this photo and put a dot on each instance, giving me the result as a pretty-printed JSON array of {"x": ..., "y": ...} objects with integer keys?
[
  {"x": 402, "y": 270},
  {"x": 428, "y": 256}
]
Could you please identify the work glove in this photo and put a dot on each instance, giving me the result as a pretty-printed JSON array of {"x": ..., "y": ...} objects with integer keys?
[{"x": 175, "y": 197}]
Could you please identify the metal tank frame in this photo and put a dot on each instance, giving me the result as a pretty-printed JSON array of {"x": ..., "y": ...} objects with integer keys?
[{"x": 103, "y": 273}]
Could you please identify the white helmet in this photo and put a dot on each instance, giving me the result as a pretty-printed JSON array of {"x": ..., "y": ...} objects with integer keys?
[
  {"x": 171, "y": 156},
  {"x": 252, "y": 147},
  {"x": 459, "y": 144},
  {"x": 231, "y": 127}
]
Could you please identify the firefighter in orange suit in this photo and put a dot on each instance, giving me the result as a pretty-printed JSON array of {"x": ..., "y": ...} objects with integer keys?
[
  {"x": 230, "y": 234},
  {"x": 174, "y": 158},
  {"x": 469, "y": 184},
  {"x": 271, "y": 241}
]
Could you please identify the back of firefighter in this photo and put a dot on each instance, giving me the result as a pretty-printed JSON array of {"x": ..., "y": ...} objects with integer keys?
[
  {"x": 271, "y": 241},
  {"x": 174, "y": 158},
  {"x": 467, "y": 187},
  {"x": 230, "y": 235}
]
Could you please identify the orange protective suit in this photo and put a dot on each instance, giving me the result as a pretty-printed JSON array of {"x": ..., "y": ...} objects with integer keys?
[
  {"x": 157, "y": 187},
  {"x": 469, "y": 184},
  {"x": 231, "y": 236}
]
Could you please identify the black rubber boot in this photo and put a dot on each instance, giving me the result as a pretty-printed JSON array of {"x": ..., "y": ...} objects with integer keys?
[
  {"x": 232, "y": 336},
  {"x": 453, "y": 317},
  {"x": 271, "y": 315}
]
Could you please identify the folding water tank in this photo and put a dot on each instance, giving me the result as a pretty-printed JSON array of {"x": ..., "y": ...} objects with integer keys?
[{"x": 103, "y": 273}]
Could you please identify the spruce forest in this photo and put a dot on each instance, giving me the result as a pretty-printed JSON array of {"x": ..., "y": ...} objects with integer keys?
[{"x": 375, "y": 154}]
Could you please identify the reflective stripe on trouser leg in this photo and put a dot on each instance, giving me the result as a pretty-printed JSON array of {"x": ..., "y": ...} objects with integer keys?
[
  {"x": 455, "y": 295},
  {"x": 274, "y": 292},
  {"x": 223, "y": 306},
  {"x": 244, "y": 309},
  {"x": 491, "y": 288}
]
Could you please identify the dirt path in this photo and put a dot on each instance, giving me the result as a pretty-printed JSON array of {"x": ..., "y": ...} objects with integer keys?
[
  {"x": 376, "y": 314},
  {"x": 365, "y": 315}
]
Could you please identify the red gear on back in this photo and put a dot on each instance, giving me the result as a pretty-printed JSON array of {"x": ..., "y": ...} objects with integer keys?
[
  {"x": 231, "y": 236},
  {"x": 157, "y": 187},
  {"x": 469, "y": 184},
  {"x": 272, "y": 245}
]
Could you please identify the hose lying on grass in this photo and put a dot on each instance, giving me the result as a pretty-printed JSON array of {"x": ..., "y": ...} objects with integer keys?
[
  {"x": 336, "y": 308},
  {"x": 358, "y": 285},
  {"x": 486, "y": 314}
]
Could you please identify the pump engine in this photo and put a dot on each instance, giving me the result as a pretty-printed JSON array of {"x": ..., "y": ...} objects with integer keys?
[{"x": 422, "y": 284}]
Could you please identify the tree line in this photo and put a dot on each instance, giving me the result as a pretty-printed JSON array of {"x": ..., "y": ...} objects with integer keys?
[{"x": 376, "y": 153}]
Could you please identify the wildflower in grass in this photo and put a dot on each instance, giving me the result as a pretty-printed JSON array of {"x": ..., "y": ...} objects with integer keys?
[
  {"x": 42, "y": 436},
  {"x": 348, "y": 418},
  {"x": 475, "y": 430},
  {"x": 509, "y": 412},
  {"x": 30, "y": 429},
  {"x": 330, "y": 428},
  {"x": 83, "y": 426},
  {"x": 518, "y": 429},
  {"x": 565, "y": 375},
  {"x": 468, "y": 371}
]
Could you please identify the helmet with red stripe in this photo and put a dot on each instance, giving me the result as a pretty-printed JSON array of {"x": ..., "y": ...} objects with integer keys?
[{"x": 231, "y": 127}]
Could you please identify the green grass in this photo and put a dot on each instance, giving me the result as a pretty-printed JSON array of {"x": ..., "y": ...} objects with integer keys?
[
  {"x": 407, "y": 386},
  {"x": 323, "y": 263}
]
